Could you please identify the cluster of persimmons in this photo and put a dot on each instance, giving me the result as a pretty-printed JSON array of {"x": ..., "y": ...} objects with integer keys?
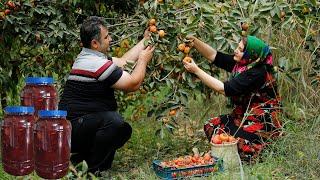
[
  {"x": 10, "y": 7},
  {"x": 195, "y": 164},
  {"x": 223, "y": 138},
  {"x": 185, "y": 48},
  {"x": 153, "y": 28}
]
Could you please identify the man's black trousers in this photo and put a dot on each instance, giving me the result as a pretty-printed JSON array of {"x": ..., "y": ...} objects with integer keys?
[{"x": 96, "y": 137}]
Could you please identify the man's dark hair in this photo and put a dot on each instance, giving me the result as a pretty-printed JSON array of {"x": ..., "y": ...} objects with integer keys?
[{"x": 90, "y": 29}]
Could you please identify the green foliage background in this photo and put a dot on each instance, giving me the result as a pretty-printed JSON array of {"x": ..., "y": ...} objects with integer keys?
[{"x": 294, "y": 40}]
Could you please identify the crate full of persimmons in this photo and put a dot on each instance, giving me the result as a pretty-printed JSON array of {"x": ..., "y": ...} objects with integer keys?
[{"x": 188, "y": 166}]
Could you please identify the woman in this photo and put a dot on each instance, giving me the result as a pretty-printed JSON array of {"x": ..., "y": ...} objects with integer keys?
[{"x": 252, "y": 89}]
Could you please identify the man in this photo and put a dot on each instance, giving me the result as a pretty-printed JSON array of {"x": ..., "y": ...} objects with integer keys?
[{"x": 88, "y": 97}]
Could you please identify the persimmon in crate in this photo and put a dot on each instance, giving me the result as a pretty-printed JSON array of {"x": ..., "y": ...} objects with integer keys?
[{"x": 188, "y": 166}]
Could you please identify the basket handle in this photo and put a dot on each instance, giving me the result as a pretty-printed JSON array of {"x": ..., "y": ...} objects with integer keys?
[
  {"x": 217, "y": 129},
  {"x": 241, "y": 168}
]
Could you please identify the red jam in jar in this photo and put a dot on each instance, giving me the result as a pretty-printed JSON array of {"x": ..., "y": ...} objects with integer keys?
[
  {"x": 40, "y": 93},
  {"x": 52, "y": 144},
  {"x": 17, "y": 140}
]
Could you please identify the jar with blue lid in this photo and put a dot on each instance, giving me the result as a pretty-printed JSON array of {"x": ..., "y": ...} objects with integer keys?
[
  {"x": 17, "y": 140},
  {"x": 40, "y": 93},
  {"x": 52, "y": 144}
]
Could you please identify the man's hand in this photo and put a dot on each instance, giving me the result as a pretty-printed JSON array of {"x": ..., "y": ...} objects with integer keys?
[
  {"x": 146, "y": 54},
  {"x": 132, "y": 82},
  {"x": 191, "y": 67},
  {"x": 190, "y": 37}
]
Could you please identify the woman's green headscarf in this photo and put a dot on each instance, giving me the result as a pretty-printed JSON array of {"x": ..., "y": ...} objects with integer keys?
[{"x": 256, "y": 52}]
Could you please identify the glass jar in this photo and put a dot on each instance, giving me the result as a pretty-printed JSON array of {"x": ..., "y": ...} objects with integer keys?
[
  {"x": 17, "y": 140},
  {"x": 52, "y": 144},
  {"x": 40, "y": 93}
]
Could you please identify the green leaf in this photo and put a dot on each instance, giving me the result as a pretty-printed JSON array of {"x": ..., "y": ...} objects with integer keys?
[
  {"x": 26, "y": 37},
  {"x": 295, "y": 70},
  {"x": 276, "y": 19},
  {"x": 175, "y": 106},
  {"x": 60, "y": 34},
  {"x": 162, "y": 133},
  {"x": 244, "y": 4},
  {"x": 152, "y": 84},
  {"x": 55, "y": 22},
  {"x": 53, "y": 27},
  {"x": 23, "y": 28},
  {"x": 150, "y": 113},
  {"x": 50, "y": 34},
  {"x": 255, "y": 14},
  {"x": 313, "y": 2},
  {"x": 265, "y": 3},
  {"x": 256, "y": 31},
  {"x": 170, "y": 127},
  {"x": 173, "y": 120},
  {"x": 157, "y": 132},
  {"x": 84, "y": 167},
  {"x": 175, "y": 102},
  {"x": 218, "y": 37},
  {"x": 293, "y": 25},
  {"x": 282, "y": 5},
  {"x": 63, "y": 26},
  {"x": 236, "y": 14},
  {"x": 265, "y": 8},
  {"x": 208, "y": 15},
  {"x": 219, "y": 45},
  {"x": 302, "y": 25},
  {"x": 191, "y": 84},
  {"x": 232, "y": 44},
  {"x": 27, "y": 4},
  {"x": 197, "y": 4},
  {"x": 283, "y": 63},
  {"x": 158, "y": 118},
  {"x": 208, "y": 7},
  {"x": 224, "y": 46},
  {"x": 278, "y": 12},
  {"x": 8, "y": 18},
  {"x": 289, "y": 79},
  {"x": 286, "y": 21},
  {"x": 37, "y": 10},
  {"x": 184, "y": 98},
  {"x": 273, "y": 12},
  {"x": 205, "y": 66}
]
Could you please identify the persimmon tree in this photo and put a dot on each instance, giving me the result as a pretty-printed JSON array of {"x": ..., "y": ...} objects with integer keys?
[
  {"x": 221, "y": 25},
  {"x": 41, "y": 38}
]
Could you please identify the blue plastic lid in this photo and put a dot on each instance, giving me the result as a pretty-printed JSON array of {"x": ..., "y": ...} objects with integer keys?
[
  {"x": 47, "y": 113},
  {"x": 19, "y": 109},
  {"x": 39, "y": 80}
]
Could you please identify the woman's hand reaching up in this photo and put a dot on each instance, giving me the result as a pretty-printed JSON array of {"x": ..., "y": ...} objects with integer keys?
[{"x": 190, "y": 66}]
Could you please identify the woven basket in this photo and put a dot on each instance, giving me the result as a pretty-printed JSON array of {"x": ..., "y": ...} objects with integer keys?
[{"x": 229, "y": 154}]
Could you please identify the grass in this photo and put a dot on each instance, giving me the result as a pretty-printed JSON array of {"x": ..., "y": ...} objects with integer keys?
[{"x": 296, "y": 155}]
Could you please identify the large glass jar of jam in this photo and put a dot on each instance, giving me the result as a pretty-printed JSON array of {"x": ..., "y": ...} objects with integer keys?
[
  {"x": 17, "y": 140},
  {"x": 40, "y": 93},
  {"x": 52, "y": 144}
]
